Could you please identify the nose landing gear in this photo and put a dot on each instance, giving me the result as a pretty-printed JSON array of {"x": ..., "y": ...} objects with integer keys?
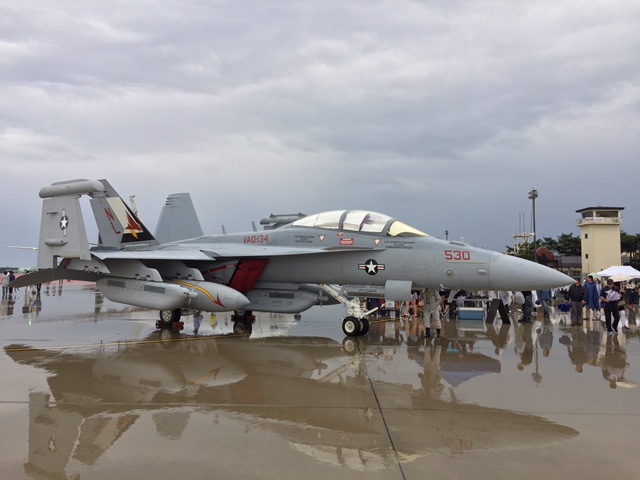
[{"x": 352, "y": 326}]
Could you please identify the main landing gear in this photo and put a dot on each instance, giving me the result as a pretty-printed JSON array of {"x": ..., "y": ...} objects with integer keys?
[
  {"x": 170, "y": 319},
  {"x": 243, "y": 322},
  {"x": 352, "y": 326}
]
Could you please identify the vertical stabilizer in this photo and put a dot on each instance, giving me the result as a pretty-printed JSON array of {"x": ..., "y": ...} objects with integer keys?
[
  {"x": 119, "y": 227},
  {"x": 178, "y": 219},
  {"x": 62, "y": 230}
]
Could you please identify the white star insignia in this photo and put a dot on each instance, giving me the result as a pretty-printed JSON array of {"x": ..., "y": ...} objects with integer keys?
[{"x": 371, "y": 266}]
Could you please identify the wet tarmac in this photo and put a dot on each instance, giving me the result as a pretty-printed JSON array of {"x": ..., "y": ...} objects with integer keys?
[{"x": 90, "y": 389}]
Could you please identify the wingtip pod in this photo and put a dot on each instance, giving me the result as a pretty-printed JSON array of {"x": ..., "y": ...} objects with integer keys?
[
  {"x": 513, "y": 273},
  {"x": 72, "y": 187}
]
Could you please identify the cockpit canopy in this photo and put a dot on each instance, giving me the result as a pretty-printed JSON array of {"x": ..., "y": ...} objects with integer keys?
[{"x": 359, "y": 221}]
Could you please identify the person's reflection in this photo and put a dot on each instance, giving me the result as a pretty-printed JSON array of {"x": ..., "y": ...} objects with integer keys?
[
  {"x": 36, "y": 305},
  {"x": 4, "y": 306},
  {"x": 576, "y": 347},
  {"x": 461, "y": 347},
  {"x": 431, "y": 376},
  {"x": 32, "y": 301},
  {"x": 593, "y": 337},
  {"x": 413, "y": 337},
  {"x": 98, "y": 302},
  {"x": 412, "y": 330},
  {"x": 8, "y": 305},
  {"x": 614, "y": 362},
  {"x": 499, "y": 339},
  {"x": 545, "y": 337},
  {"x": 524, "y": 345}
]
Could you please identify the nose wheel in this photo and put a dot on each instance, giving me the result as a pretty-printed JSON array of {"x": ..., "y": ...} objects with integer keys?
[{"x": 352, "y": 326}]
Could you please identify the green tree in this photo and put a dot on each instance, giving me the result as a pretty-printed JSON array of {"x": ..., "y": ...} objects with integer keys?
[
  {"x": 569, "y": 244},
  {"x": 525, "y": 250},
  {"x": 630, "y": 244},
  {"x": 551, "y": 244}
]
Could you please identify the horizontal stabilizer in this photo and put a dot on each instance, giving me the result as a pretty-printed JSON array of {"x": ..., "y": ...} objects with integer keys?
[{"x": 51, "y": 274}]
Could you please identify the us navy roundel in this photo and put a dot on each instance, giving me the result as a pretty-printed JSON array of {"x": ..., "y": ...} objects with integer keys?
[
  {"x": 371, "y": 266},
  {"x": 64, "y": 222}
]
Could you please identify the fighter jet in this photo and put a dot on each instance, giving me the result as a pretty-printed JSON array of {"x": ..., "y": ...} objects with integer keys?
[{"x": 287, "y": 269}]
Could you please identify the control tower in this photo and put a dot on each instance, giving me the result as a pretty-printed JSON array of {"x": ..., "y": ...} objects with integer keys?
[{"x": 600, "y": 229}]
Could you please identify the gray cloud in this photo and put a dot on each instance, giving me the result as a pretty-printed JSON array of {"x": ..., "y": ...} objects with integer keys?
[{"x": 443, "y": 114}]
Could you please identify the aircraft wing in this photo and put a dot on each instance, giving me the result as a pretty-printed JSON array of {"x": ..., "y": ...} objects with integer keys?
[{"x": 210, "y": 252}]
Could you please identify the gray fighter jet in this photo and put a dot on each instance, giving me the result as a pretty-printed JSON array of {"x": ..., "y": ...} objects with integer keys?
[{"x": 287, "y": 269}]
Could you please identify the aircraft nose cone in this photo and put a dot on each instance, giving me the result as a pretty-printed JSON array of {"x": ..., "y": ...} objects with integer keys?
[{"x": 512, "y": 273}]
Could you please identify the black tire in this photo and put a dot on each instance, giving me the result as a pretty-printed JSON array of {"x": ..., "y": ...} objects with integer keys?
[
  {"x": 351, "y": 326},
  {"x": 365, "y": 326},
  {"x": 242, "y": 328},
  {"x": 170, "y": 316},
  {"x": 242, "y": 314}
]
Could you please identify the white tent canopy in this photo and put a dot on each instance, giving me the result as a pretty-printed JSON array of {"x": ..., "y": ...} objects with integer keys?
[{"x": 620, "y": 273}]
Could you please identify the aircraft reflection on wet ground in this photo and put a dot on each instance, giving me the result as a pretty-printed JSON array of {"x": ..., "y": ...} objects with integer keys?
[{"x": 387, "y": 404}]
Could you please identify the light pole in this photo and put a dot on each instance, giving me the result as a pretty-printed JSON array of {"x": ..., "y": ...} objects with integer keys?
[
  {"x": 533, "y": 194},
  {"x": 446, "y": 234}
]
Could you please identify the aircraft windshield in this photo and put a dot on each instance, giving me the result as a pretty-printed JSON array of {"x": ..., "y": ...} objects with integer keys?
[{"x": 359, "y": 221}]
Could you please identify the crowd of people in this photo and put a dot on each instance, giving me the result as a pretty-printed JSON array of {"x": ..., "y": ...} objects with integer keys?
[
  {"x": 593, "y": 300},
  {"x": 592, "y": 309},
  {"x": 596, "y": 300}
]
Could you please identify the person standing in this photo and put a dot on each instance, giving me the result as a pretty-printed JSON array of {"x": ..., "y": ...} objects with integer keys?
[
  {"x": 5, "y": 284},
  {"x": 599, "y": 287},
  {"x": 610, "y": 298},
  {"x": 197, "y": 320},
  {"x": 576, "y": 297},
  {"x": 432, "y": 311},
  {"x": 545, "y": 298},
  {"x": 527, "y": 306},
  {"x": 506, "y": 297},
  {"x": 592, "y": 298},
  {"x": 12, "y": 277}
]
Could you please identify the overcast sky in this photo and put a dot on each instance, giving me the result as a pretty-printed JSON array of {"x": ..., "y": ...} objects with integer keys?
[{"x": 443, "y": 114}]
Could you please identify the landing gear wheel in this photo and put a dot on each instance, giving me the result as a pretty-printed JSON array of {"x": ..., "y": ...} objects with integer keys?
[
  {"x": 365, "y": 326},
  {"x": 351, "y": 326},
  {"x": 242, "y": 328},
  {"x": 242, "y": 314},
  {"x": 170, "y": 316}
]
